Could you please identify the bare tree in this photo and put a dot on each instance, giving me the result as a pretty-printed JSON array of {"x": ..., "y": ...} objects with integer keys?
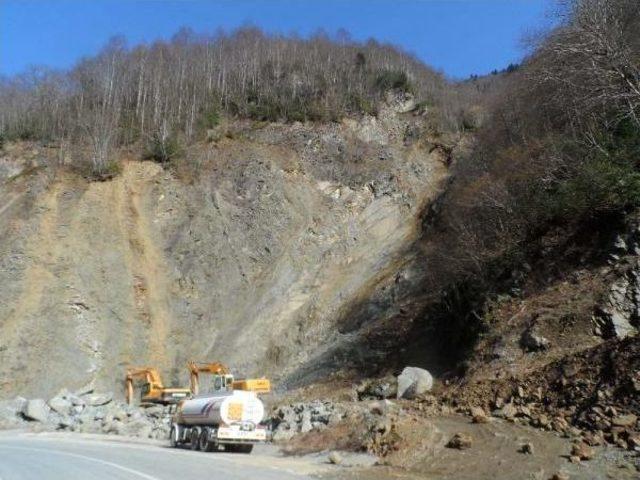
[
  {"x": 100, "y": 130},
  {"x": 247, "y": 73},
  {"x": 591, "y": 64}
]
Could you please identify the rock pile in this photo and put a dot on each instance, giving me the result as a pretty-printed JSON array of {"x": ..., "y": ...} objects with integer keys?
[
  {"x": 412, "y": 382},
  {"x": 369, "y": 427},
  {"x": 377, "y": 388},
  {"x": 592, "y": 396},
  {"x": 288, "y": 420},
  {"x": 381, "y": 435},
  {"x": 86, "y": 412}
]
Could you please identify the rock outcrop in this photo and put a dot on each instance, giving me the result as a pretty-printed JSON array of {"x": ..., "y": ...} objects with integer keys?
[
  {"x": 619, "y": 314},
  {"x": 251, "y": 250}
]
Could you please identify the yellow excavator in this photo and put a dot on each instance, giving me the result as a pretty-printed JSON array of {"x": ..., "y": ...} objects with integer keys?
[
  {"x": 153, "y": 390},
  {"x": 223, "y": 379}
]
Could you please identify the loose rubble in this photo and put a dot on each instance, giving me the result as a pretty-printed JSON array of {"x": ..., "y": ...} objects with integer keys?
[
  {"x": 478, "y": 415},
  {"x": 527, "y": 448},
  {"x": 86, "y": 412},
  {"x": 377, "y": 388},
  {"x": 582, "y": 451},
  {"x": 461, "y": 441},
  {"x": 288, "y": 420},
  {"x": 372, "y": 425},
  {"x": 567, "y": 397}
]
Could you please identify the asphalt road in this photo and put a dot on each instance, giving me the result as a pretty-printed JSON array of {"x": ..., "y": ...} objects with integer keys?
[{"x": 63, "y": 457}]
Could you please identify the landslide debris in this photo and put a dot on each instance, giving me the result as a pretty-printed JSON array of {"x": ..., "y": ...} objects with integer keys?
[{"x": 86, "y": 412}]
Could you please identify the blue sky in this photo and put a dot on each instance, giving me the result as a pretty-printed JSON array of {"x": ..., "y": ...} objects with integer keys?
[{"x": 459, "y": 37}]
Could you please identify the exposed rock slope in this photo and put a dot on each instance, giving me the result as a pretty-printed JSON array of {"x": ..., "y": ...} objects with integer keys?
[{"x": 253, "y": 263}]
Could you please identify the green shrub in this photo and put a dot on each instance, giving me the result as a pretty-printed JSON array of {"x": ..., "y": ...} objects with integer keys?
[
  {"x": 265, "y": 110},
  {"x": 607, "y": 179},
  {"x": 25, "y": 133},
  {"x": 162, "y": 147},
  {"x": 601, "y": 185},
  {"x": 624, "y": 141},
  {"x": 3, "y": 140},
  {"x": 300, "y": 108},
  {"x": 210, "y": 117},
  {"x": 361, "y": 104},
  {"x": 424, "y": 105},
  {"x": 393, "y": 80},
  {"x": 111, "y": 170}
]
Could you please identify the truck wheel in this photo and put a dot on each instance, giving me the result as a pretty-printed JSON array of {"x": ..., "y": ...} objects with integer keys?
[
  {"x": 174, "y": 436},
  {"x": 194, "y": 440},
  {"x": 206, "y": 445}
]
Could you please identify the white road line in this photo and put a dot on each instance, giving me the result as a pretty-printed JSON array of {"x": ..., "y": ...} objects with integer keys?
[{"x": 84, "y": 457}]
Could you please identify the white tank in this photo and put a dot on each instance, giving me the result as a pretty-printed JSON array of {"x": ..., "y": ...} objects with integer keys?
[{"x": 223, "y": 407}]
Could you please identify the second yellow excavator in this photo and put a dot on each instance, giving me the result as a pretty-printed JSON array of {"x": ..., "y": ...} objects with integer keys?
[
  {"x": 153, "y": 390},
  {"x": 223, "y": 379}
]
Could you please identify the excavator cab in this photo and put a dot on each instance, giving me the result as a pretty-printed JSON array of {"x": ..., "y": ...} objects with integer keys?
[
  {"x": 222, "y": 383},
  {"x": 220, "y": 379}
]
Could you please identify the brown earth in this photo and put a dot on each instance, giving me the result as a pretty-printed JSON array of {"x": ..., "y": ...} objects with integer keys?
[{"x": 580, "y": 388}]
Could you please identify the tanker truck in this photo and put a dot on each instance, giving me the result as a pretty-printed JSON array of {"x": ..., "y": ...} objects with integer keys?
[{"x": 228, "y": 418}]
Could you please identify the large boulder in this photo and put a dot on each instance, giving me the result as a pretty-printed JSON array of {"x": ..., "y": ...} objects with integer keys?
[
  {"x": 18, "y": 404},
  {"x": 73, "y": 398},
  {"x": 117, "y": 411},
  {"x": 61, "y": 405},
  {"x": 87, "y": 417},
  {"x": 413, "y": 381},
  {"x": 36, "y": 410},
  {"x": 111, "y": 426},
  {"x": 97, "y": 399},
  {"x": 9, "y": 412},
  {"x": 85, "y": 390}
]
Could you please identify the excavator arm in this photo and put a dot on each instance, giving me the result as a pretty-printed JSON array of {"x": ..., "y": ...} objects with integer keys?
[
  {"x": 149, "y": 374},
  {"x": 155, "y": 391}
]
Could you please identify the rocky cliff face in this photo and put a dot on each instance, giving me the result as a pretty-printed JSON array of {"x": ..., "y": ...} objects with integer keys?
[{"x": 254, "y": 263}]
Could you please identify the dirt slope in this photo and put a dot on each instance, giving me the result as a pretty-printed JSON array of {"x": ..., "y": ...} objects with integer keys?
[{"x": 253, "y": 263}]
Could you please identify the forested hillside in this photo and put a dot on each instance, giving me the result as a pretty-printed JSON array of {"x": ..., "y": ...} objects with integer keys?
[
  {"x": 554, "y": 170},
  {"x": 169, "y": 93}
]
